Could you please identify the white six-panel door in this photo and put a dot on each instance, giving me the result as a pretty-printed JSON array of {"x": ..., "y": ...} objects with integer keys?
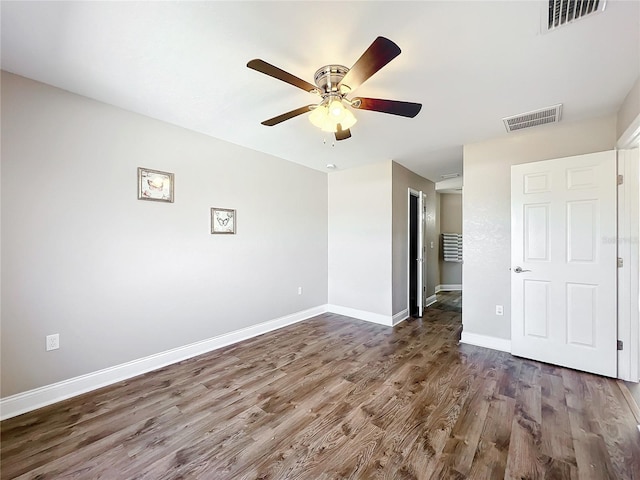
[{"x": 564, "y": 262}]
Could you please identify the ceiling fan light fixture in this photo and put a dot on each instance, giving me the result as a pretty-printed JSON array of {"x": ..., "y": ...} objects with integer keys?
[
  {"x": 337, "y": 110},
  {"x": 321, "y": 118},
  {"x": 349, "y": 120},
  {"x": 327, "y": 117},
  {"x": 333, "y": 83},
  {"x": 318, "y": 114},
  {"x": 329, "y": 127}
]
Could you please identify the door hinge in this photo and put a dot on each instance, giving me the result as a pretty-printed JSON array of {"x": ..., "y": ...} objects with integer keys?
[
  {"x": 620, "y": 345},
  {"x": 620, "y": 179},
  {"x": 620, "y": 263}
]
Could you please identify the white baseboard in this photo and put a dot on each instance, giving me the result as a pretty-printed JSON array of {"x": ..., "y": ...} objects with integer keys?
[
  {"x": 362, "y": 315},
  {"x": 451, "y": 287},
  {"x": 387, "y": 320},
  {"x": 400, "y": 317},
  {"x": 493, "y": 343},
  {"x": 43, "y": 396},
  {"x": 430, "y": 300}
]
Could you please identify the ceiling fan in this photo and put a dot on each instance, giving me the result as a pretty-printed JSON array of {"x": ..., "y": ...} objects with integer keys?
[{"x": 333, "y": 83}]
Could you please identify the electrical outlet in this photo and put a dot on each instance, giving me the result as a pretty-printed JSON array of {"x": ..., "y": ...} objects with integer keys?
[
  {"x": 499, "y": 310},
  {"x": 299, "y": 290},
  {"x": 53, "y": 341}
]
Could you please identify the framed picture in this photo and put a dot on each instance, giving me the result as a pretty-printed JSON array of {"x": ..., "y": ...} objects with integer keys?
[
  {"x": 155, "y": 185},
  {"x": 223, "y": 220}
]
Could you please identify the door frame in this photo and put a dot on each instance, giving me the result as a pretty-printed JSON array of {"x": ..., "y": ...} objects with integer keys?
[
  {"x": 422, "y": 264},
  {"x": 628, "y": 279},
  {"x": 628, "y": 246},
  {"x": 628, "y": 274}
]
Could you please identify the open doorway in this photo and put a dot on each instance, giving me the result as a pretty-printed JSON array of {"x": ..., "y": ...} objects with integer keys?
[{"x": 415, "y": 254}]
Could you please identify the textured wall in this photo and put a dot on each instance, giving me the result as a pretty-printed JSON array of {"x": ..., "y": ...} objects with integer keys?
[{"x": 487, "y": 211}]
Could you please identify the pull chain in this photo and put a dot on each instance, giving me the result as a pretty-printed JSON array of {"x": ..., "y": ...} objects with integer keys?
[{"x": 333, "y": 142}]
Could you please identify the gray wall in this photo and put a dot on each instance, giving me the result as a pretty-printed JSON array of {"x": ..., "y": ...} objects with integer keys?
[
  {"x": 360, "y": 238},
  {"x": 487, "y": 212},
  {"x": 404, "y": 179},
  {"x": 119, "y": 278},
  {"x": 368, "y": 237},
  {"x": 450, "y": 222}
]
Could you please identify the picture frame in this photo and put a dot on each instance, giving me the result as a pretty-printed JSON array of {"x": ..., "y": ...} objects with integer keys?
[
  {"x": 155, "y": 185},
  {"x": 223, "y": 221}
]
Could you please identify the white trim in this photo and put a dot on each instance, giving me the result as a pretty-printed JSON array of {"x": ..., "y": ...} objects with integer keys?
[
  {"x": 361, "y": 315},
  {"x": 386, "y": 320},
  {"x": 400, "y": 317},
  {"x": 494, "y": 343},
  {"x": 630, "y": 138},
  {"x": 422, "y": 199},
  {"x": 431, "y": 300},
  {"x": 450, "y": 185},
  {"x": 452, "y": 287},
  {"x": 414, "y": 193},
  {"x": 628, "y": 276},
  {"x": 43, "y": 396},
  {"x": 422, "y": 261}
]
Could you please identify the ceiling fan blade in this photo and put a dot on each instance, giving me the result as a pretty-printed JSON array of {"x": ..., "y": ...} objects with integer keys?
[
  {"x": 379, "y": 53},
  {"x": 342, "y": 134},
  {"x": 275, "y": 72},
  {"x": 286, "y": 116},
  {"x": 394, "y": 107}
]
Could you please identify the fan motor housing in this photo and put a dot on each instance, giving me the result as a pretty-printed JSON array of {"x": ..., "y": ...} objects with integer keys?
[{"x": 328, "y": 77}]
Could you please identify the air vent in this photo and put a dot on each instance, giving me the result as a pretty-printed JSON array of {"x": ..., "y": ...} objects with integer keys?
[
  {"x": 534, "y": 118},
  {"x": 563, "y": 12}
]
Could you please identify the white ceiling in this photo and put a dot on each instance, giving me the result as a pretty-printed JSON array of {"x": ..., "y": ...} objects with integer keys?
[{"x": 469, "y": 63}]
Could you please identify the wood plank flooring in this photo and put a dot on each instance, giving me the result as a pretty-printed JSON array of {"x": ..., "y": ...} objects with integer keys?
[{"x": 337, "y": 398}]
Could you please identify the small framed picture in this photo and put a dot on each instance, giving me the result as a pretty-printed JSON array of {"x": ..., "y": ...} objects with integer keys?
[
  {"x": 155, "y": 185},
  {"x": 223, "y": 220}
]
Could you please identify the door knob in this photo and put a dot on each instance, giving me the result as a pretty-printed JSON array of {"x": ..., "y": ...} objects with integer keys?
[{"x": 520, "y": 270}]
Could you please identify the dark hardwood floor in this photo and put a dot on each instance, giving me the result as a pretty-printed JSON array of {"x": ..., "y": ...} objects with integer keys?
[{"x": 333, "y": 398}]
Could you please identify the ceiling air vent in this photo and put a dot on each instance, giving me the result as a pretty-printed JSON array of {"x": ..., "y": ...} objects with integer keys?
[
  {"x": 534, "y": 118},
  {"x": 563, "y": 12}
]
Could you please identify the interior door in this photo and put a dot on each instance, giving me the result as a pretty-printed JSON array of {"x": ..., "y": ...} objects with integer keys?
[
  {"x": 564, "y": 262},
  {"x": 420, "y": 259}
]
